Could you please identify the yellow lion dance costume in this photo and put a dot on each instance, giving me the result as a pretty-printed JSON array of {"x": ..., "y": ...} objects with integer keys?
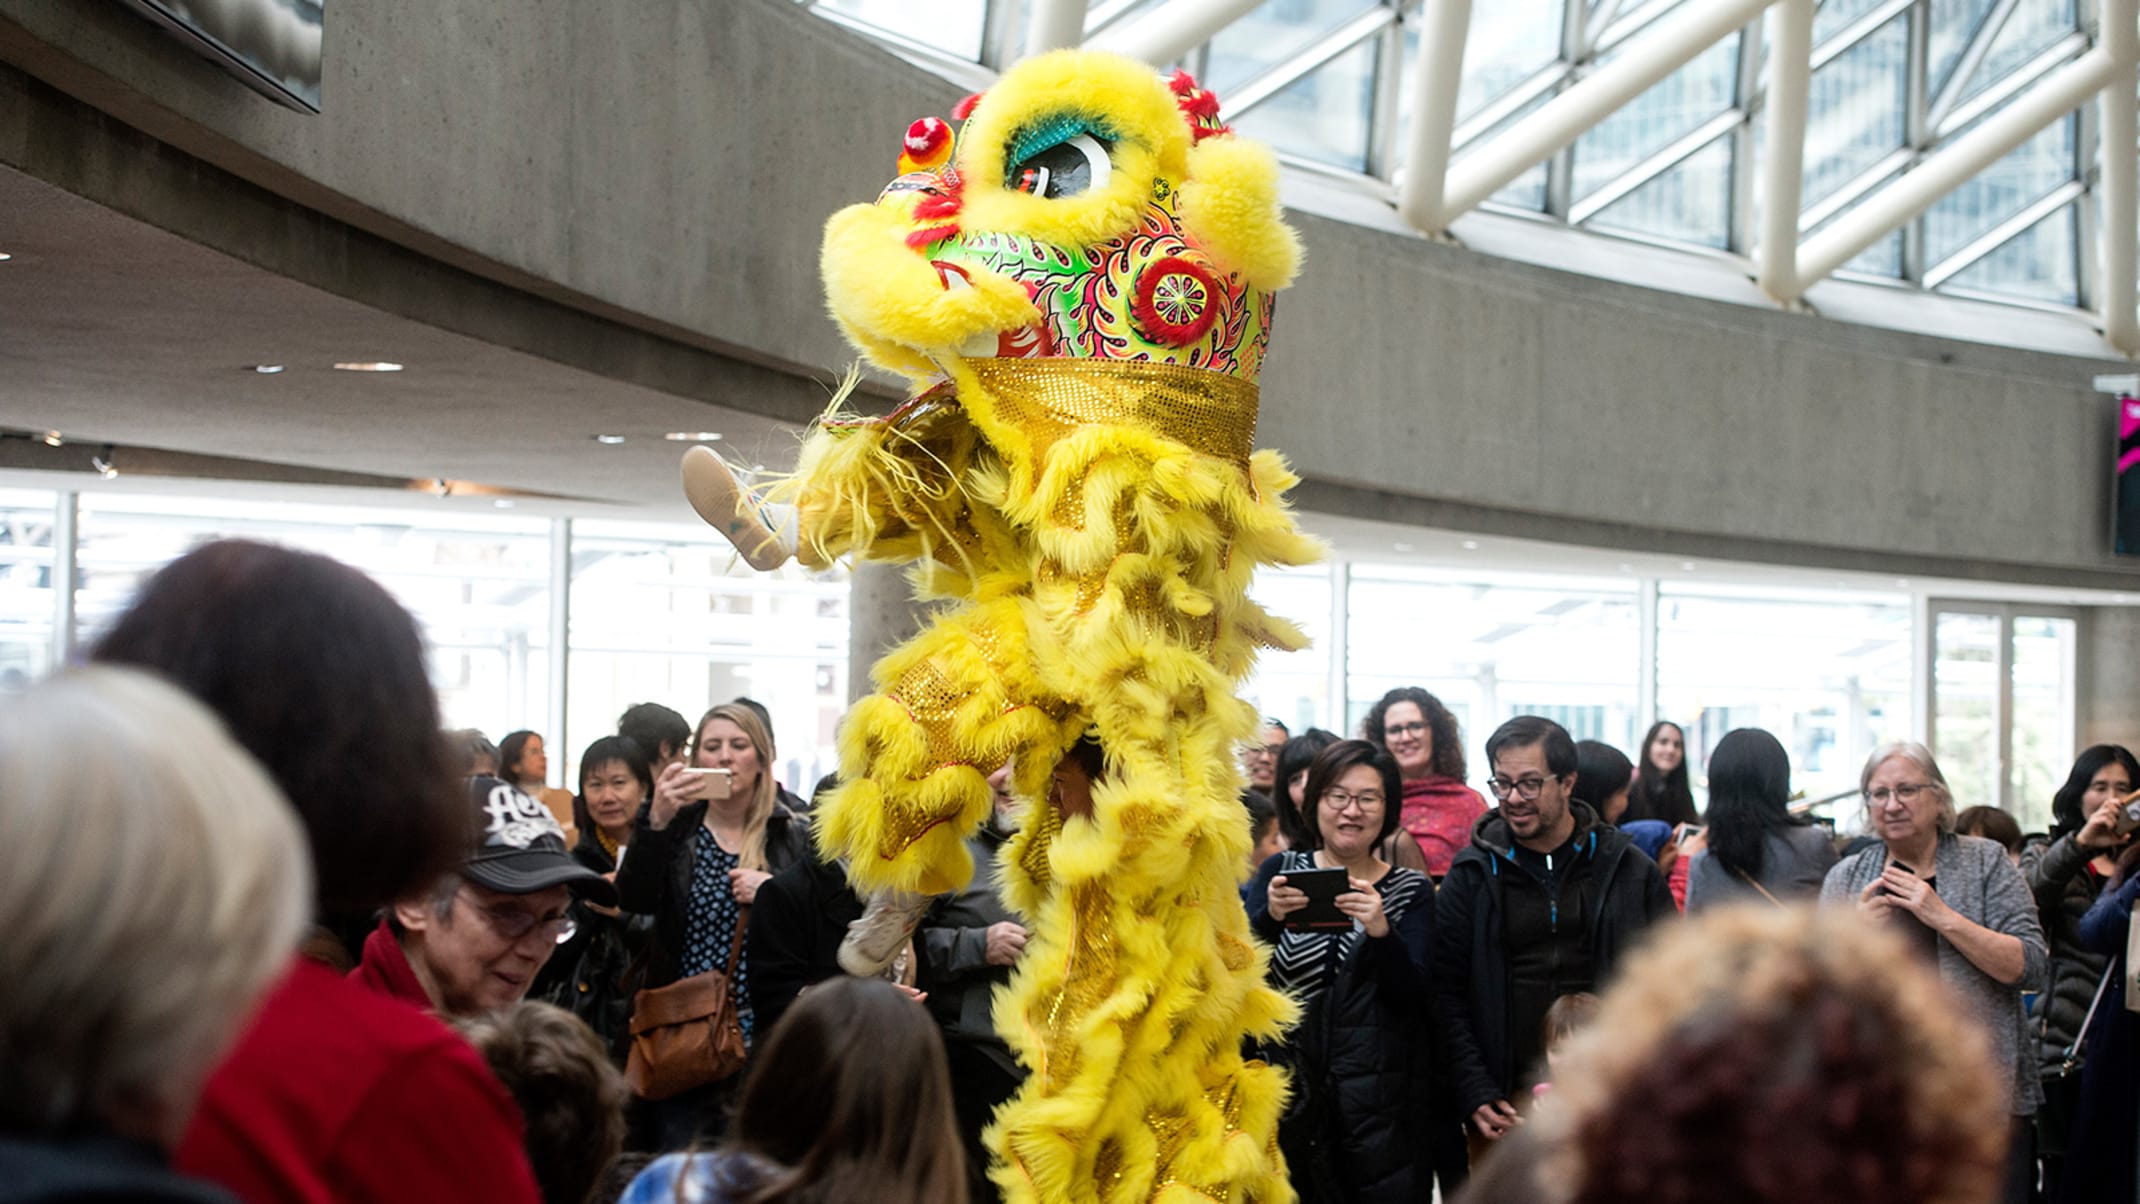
[{"x": 1081, "y": 296}]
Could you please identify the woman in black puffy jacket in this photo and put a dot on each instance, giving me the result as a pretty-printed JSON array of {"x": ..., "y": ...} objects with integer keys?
[
  {"x": 587, "y": 975},
  {"x": 1356, "y": 1129},
  {"x": 2066, "y": 873}
]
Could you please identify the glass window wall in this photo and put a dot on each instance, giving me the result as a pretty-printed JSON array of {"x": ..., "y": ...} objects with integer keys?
[
  {"x": 26, "y": 598},
  {"x": 1828, "y": 676}
]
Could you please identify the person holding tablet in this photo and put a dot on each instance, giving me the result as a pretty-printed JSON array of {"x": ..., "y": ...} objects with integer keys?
[{"x": 1350, "y": 936}]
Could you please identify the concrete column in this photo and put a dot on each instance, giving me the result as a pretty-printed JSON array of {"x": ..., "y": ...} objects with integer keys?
[
  {"x": 2108, "y": 690},
  {"x": 881, "y": 612}
]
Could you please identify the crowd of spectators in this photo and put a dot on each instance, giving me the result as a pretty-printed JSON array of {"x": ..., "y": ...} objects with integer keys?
[{"x": 276, "y": 936}]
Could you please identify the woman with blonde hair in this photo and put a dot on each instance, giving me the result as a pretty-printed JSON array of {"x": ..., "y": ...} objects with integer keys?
[
  {"x": 713, "y": 832},
  {"x": 1765, "y": 1055},
  {"x": 1962, "y": 905},
  {"x": 152, "y": 885}
]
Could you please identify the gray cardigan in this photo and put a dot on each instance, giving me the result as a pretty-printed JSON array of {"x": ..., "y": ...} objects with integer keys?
[
  {"x": 1977, "y": 880},
  {"x": 1794, "y": 862}
]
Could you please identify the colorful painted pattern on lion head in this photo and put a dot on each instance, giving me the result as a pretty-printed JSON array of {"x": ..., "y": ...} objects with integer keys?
[{"x": 1086, "y": 210}]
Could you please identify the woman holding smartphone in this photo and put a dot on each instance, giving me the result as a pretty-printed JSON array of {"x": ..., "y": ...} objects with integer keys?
[
  {"x": 712, "y": 833},
  {"x": 1357, "y": 1126},
  {"x": 1964, "y": 905}
]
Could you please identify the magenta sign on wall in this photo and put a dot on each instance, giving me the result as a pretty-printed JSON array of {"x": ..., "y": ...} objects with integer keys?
[{"x": 2128, "y": 513}]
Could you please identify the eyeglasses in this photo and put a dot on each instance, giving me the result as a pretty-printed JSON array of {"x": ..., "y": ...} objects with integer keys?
[
  {"x": 513, "y": 924},
  {"x": 1526, "y": 789},
  {"x": 1340, "y": 800},
  {"x": 1404, "y": 729},
  {"x": 1905, "y": 793}
]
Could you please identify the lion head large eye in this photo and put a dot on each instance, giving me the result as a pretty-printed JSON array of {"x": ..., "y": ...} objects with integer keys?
[{"x": 1076, "y": 165}]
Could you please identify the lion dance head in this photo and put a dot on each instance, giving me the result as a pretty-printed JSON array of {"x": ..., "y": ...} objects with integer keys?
[{"x": 1087, "y": 210}]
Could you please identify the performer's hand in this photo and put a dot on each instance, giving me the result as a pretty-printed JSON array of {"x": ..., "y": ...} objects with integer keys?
[
  {"x": 1494, "y": 1119},
  {"x": 1364, "y": 903},
  {"x": 1006, "y": 940},
  {"x": 917, "y": 996},
  {"x": 672, "y": 791},
  {"x": 744, "y": 885},
  {"x": 1284, "y": 900}
]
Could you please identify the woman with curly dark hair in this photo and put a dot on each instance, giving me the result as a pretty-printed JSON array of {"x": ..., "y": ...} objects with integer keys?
[
  {"x": 1439, "y": 809},
  {"x": 1766, "y": 1056}
]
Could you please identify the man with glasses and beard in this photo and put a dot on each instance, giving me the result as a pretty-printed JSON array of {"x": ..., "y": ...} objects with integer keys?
[{"x": 1544, "y": 903}]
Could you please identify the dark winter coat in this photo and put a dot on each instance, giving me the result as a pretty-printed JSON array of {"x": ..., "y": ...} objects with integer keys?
[
  {"x": 593, "y": 974},
  {"x": 1362, "y": 1061},
  {"x": 95, "y": 1170},
  {"x": 655, "y": 879},
  {"x": 2065, "y": 888},
  {"x": 1472, "y": 974},
  {"x": 796, "y": 927},
  {"x": 952, "y": 944}
]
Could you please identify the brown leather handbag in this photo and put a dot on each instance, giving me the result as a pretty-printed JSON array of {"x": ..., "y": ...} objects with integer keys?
[{"x": 687, "y": 1034}]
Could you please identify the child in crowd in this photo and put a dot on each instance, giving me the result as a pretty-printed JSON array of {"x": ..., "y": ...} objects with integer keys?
[
  {"x": 1569, "y": 1015},
  {"x": 571, "y": 1096}
]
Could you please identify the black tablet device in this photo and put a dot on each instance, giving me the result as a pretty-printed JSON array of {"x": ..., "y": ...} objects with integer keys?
[{"x": 1321, "y": 913}]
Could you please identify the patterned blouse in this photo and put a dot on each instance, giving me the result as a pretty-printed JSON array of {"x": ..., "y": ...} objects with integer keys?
[
  {"x": 1306, "y": 963},
  {"x": 711, "y": 923}
]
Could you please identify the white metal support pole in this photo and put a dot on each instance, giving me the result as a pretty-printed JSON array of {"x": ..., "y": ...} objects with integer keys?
[
  {"x": 1054, "y": 25},
  {"x": 1924, "y": 650},
  {"x": 560, "y": 639},
  {"x": 1446, "y": 24},
  {"x": 2120, "y": 211},
  {"x": 1665, "y": 48},
  {"x": 1948, "y": 168},
  {"x": 2002, "y": 795},
  {"x": 1790, "y": 71},
  {"x": 66, "y": 508},
  {"x": 1173, "y": 29},
  {"x": 1339, "y": 680},
  {"x": 1646, "y": 645}
]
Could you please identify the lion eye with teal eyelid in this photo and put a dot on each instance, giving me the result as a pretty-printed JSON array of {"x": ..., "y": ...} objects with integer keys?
[{"x": 1059, "y": 159}]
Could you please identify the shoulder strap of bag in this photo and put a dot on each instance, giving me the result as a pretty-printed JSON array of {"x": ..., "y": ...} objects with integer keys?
[
  {"x": 2080, "y": 1036},
  {"x": 1757, "y": 886},
  {"x": 735, "y": 946}
]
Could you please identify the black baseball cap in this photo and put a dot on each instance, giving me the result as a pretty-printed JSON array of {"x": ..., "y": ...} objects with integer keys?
[{"x": 521, "y": 850}]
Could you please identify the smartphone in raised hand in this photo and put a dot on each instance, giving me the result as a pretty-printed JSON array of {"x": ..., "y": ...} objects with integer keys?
[{"x": 711, "y": 784}]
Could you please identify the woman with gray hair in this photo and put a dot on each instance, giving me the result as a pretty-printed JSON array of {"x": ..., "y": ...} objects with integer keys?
[
  {"x": 152, "y": 884},
  {"x": 1962, "y": 903}
]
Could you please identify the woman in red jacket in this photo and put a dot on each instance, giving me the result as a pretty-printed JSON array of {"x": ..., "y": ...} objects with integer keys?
[
  {"x": 335, "y": 1094},
  {"x": 1439, "y": 808}
]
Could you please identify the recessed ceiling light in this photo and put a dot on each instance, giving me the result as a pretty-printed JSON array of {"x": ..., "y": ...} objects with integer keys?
[
  {"x": 367, "y": 366},
  {"x": 1470, "y": 545},
  {"x": 612, "y": 440},
  {"x": 4, "y": 256},
  {"x": 1686, "y": 566},
  {"x": 504, "y": 503},
  {"x": 53, "y": 439},
  {"x": 692, "y": 436},
  {"x": 265, "y": 369}
]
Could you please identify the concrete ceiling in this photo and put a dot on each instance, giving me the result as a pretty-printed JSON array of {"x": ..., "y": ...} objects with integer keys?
[{"x": 114, "y": 331}]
